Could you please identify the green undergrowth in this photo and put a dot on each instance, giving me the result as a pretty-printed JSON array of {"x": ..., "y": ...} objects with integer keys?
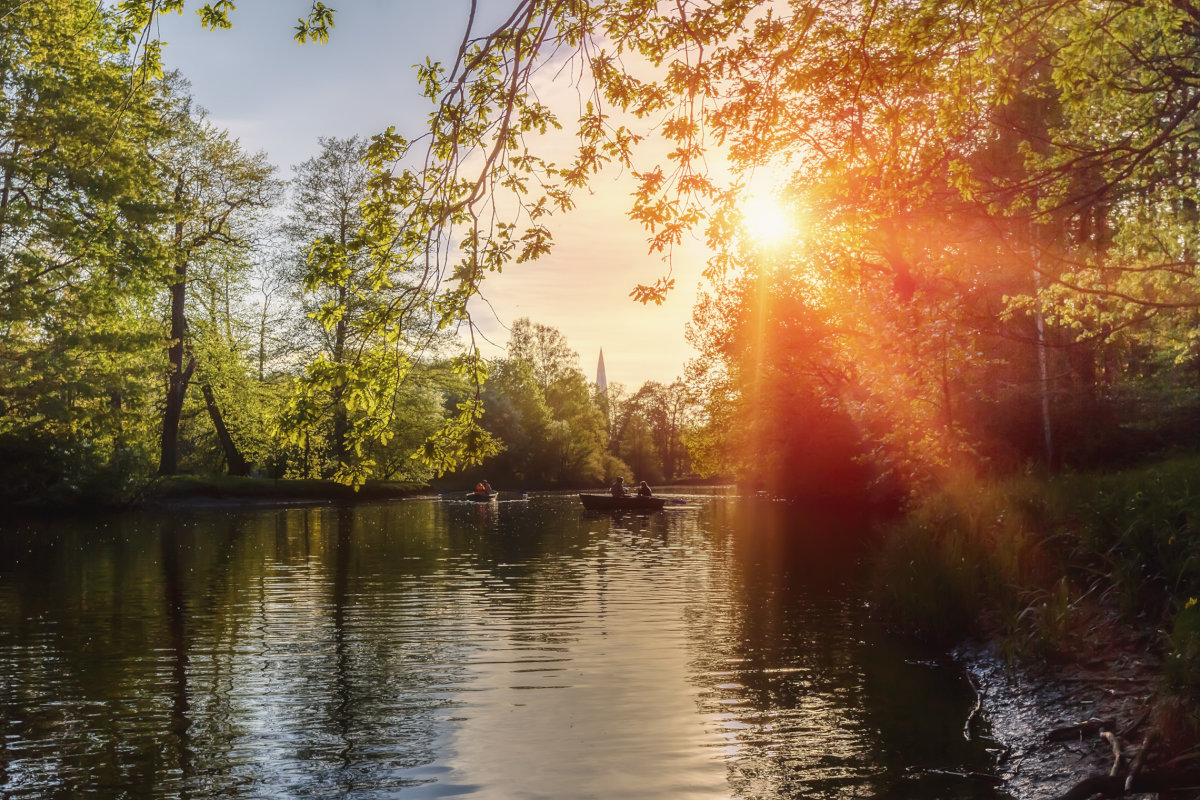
[{"x": 1040, "y": 563}]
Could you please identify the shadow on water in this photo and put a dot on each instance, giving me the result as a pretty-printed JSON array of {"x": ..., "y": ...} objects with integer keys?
[
  {"x": 815, "y": 700},
  {"x": 715, "y": 649}
]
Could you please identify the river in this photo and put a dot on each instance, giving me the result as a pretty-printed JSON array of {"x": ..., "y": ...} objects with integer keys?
[{"x": 427, "y": 648}]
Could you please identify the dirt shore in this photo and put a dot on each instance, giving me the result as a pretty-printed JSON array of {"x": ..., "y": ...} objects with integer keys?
[{"x": 1060, "y": 721}]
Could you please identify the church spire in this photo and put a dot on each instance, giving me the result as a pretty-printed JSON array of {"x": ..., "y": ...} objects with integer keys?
[{"x": 601, "y": 380}]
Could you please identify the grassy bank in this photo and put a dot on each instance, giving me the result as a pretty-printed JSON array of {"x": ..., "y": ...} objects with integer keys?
[
  {"x": 1047, "y": 565},
  {"x": 182, "y": 488}
]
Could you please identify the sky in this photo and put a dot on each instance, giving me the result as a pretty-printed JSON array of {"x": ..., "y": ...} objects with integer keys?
[{"x": 278, "y": 96}]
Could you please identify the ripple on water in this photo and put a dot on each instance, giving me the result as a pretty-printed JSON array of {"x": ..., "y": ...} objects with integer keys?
[{"x": 502, "y": 651}]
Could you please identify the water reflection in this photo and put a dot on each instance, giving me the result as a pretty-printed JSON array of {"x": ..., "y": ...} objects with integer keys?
[
  {"x": 435, "y": 649},
  {"x": 810, "y": 699}
]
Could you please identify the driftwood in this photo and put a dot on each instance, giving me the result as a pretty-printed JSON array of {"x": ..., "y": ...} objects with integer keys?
[
  {"x": 1139, "y": 759},
  {"x": 977, "y": 708},
  {"x": 1080, "y": 730},
  {"x": 1115, "y": 744},
  {"x": 1179, "y": 774}
]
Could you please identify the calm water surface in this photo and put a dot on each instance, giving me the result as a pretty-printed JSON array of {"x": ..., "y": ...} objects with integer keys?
[{"x": 429, "y": 649}]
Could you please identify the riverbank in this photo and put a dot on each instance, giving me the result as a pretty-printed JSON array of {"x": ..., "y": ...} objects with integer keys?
[
  {"x": 1055, "y": 725},
  {"x": 190, "y": 489},
  {"x": 1083, "y": 589}
]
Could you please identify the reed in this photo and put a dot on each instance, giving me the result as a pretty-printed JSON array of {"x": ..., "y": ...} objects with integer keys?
[
  {"x": 1028, "y": 561},
  {"x": 957, "y": 560}
]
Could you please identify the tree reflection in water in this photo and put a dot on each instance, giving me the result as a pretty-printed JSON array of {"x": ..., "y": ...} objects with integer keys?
[{"x": 713, "y": 650}]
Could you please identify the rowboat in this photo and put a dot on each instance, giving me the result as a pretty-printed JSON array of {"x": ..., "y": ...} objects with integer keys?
[
  {"x": 607, "y": 502},
  {"x": 482, "y": 497}
]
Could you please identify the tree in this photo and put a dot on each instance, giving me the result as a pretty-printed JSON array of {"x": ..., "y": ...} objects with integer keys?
[
  {"x": 638, "y": 450},
  {"x": 327, "y": 193},
  {"x": 227, "y": 332},
  {"x": 77, "y": 187},
  {"x": 517, "y": 414},
  {"x": 577, "y": 434},
  {"x": 278, "y": 320},
  {"x": 779, "y": 407},
  {"x": 544, "y": 349},
  {"x": 649, "y": 427},
  {"x": 578, "y": 439},
  {"x": 545, "y": 412},
  {"x": 218, "y": 191},
  {"x": 423, "y": 401},
  {"x": 79, "y": 260},
  {"x": 666, "y": 410},
  {"x": 374, "y": 322}
]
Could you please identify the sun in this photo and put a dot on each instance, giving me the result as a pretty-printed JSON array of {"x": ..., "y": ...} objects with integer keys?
[{"x": 765, "y": 221}]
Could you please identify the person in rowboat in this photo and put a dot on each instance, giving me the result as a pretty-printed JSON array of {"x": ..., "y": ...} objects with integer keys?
[
  {"x": 618, "y": 488},
  {"x": 644, "y": 490}
]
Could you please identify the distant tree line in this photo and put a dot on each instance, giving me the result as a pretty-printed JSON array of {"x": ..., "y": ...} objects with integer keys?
[{"x": 559, "y": 429}]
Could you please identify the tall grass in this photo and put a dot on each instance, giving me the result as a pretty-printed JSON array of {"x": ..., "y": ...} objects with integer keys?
[
  {"x": 960, "y": 559},
  {"x": 1029, "y": 560},
  {"x": 1140, "y": 527}
]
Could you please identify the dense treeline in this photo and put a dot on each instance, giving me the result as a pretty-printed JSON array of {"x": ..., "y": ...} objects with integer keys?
[
  {"x": 168, "y": 303},
  {"x": 992, "y": 261},
  {"x": 560, "y": 429},
  {"x": 993, "y": 256},
  {"x": 171, "y": 304},
  {"x": 153, "y": 310}
]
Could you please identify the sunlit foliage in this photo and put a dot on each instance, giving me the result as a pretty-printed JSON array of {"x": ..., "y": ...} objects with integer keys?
[
  {"x": 79, "y": 259},
  {"x": 544, "y": 411},
  {"x": 999, "y": 203},
  {"x": 374, "y": 332}
]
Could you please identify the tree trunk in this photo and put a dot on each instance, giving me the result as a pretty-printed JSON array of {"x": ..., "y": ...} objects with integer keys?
[
  {"x": 116, "y": 401},
  {"x": 169, "y": 460},
  {"x": 1042, "y": 346},
  {"x": 234, "y": 459},
  {"x": 177, "y": 377},
  {"x": 262, "y": 343},
  {"x": 340, "y": 418},
  {"x": 4, "y": 193}
]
